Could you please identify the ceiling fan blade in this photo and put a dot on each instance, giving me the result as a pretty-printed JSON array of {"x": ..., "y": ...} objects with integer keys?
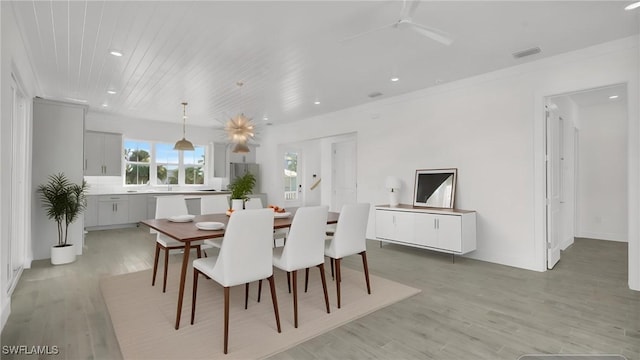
[
  {"x": 367, "y": 32},
  {"x": 434, "y": 34},
  {"x": 408, "y": 8}
]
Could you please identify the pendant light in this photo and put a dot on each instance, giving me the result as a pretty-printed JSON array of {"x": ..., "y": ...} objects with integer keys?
[
  {"x": 184, "y": 144},
  {"x": 240, "y": 147}
]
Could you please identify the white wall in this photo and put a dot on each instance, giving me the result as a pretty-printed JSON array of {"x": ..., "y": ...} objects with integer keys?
[
  {"x": 13, "y": 59},
  {"x": 602, "y": 174},
  {"x": 489, "y": 127}
]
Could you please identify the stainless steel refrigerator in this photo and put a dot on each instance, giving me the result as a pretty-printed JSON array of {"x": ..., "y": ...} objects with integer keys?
[{"x": 239, "y": 169}]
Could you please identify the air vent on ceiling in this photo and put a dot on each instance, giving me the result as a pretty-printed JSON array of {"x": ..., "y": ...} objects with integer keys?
[
  {"x": 527, "y": 52},
  {"x": 375, "y": 94}
]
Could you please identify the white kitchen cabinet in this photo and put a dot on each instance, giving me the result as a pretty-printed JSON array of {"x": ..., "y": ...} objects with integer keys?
[
  {"x": 113, "y": 209},
  {"x": 91, "y": 212},
  {"x": 102, "y": 154},
  {"x": 446, "y": 230},
  {"x": 137, "y": 208}
]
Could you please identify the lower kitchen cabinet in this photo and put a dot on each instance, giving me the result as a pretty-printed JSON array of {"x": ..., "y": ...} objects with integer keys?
[
  {"x": 113, "y": 209},
  {"x": 137, "y": 208}
]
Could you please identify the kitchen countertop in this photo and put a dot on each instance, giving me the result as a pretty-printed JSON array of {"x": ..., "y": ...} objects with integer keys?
[{"x": 159, "y": 192}]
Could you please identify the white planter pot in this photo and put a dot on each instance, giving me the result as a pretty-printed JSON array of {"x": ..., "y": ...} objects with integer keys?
[
  {"x": 237, "y": 204},
  {"x": 63, "y": 255}
]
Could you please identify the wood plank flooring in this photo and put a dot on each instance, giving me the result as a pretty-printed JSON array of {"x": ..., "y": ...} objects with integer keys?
[{"x": 467, "y": 310}]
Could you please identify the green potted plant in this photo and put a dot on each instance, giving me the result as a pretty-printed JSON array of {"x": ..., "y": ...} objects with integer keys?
[
  {"x": 63, "y": 202},
  {"x": 240, "y": 188}
]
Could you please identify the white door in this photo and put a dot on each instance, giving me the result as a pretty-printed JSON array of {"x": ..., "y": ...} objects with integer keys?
[
  {"x": 292, "y": 175},
  {"x": 553, "y": 188},
  {"x": 344, "y": 174}
]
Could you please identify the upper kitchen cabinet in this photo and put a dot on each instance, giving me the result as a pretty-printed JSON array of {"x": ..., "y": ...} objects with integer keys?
[{"x": 102, "y": 154}]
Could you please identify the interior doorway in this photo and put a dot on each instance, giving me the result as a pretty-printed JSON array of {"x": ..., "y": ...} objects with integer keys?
[
  {"x": 343, "y": 174},
  {"x": 586, "y": 156}
]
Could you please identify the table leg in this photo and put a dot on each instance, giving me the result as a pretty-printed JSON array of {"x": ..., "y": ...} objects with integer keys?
[{"x": 183, "y": 276}]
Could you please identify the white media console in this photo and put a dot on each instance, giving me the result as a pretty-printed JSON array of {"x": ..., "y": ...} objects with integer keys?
[{"x": 451, "y": 231}]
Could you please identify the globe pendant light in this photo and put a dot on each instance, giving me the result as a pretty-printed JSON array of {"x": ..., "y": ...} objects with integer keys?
[{"x": 184, "y": 144}]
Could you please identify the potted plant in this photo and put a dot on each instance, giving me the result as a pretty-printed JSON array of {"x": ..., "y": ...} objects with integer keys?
[
  {"x": 240, "y": 188},
  {"x": 63, "y": 201}
]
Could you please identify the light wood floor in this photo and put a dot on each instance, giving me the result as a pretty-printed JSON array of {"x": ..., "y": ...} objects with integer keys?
[{"x": 467, "y": 310}]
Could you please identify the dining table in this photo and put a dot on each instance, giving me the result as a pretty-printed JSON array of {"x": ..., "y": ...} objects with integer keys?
[{"x": 187, "y": 232}]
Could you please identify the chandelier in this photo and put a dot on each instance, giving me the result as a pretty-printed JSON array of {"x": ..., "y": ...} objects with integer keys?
[{"x": 240, "y": 130}]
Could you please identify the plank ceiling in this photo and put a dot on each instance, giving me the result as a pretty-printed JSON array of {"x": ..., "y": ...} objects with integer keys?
[{"x": 288, "y": 54}]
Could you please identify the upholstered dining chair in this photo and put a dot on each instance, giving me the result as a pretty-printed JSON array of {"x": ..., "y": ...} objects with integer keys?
[
  {"x": 349, "y": 239},
  {"x": 253, "y": 203},
  {"x": 256, "y": 203},
  {"x": 304, "y": 249},
  {"x": 245, "y": 256},
  {"x": 214, "y": 204},
  {"x": 217, "y": 204},
  {"x": 167, "y": 206}
]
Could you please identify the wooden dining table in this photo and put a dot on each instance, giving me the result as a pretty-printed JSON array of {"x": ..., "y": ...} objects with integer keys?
[{"x": 187, "y": 232}]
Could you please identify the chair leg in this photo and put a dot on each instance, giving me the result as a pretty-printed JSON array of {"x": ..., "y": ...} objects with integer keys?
[
  {"x": 295, "y": 298},
  {"x": 324, "y": 286},
  {"x": 226, "y": 318},
  {"x": 246, "y": 295},
  {"x": 199, "y": 251},
  {"x": 331, "y": 261},
  {"x": 155, "y": 264},
  {"x": 366, "y": 270},
  {"x": 274, "y": 300},
  {"x": 289, "y": 281},
  {"x": 194, "y": 295},
  {"x": 306, "y": 279},
  {"x": 166, "y": 266},
  {"x": 259, "y": 289},
  {"x": 338, "y": 280}
]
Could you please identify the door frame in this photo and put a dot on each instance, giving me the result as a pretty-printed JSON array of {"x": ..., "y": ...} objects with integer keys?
[{"x": 633, "y": 183}]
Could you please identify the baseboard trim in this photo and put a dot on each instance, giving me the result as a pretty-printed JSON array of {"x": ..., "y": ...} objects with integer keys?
[
  {"x": 6, "y": 311},
  {"x": 603, "y": 236}
]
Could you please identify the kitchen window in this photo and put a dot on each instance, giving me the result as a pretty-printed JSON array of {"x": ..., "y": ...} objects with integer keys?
[{"x": 156, "y": 163}]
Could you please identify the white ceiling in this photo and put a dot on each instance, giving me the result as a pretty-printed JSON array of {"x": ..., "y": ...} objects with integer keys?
[{"x": 288, "y": 53}]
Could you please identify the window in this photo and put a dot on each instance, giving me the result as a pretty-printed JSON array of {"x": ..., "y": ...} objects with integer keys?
[
  {"x": 167, "y": 164},
  {"x": 153, "y": 163},
  {"x": 194, "y": 166},
  {"x": 137, "y": 156},
  {"x": 290, "y": 176}
]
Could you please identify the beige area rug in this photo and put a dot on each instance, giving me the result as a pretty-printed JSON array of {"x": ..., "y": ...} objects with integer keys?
[{"x": 143, "y": 317}]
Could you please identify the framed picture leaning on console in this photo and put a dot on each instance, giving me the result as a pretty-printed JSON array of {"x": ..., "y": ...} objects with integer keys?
[{"x": 435, "y": 188}]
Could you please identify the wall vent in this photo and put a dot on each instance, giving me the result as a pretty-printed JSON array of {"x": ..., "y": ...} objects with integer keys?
[
  {"x": 527, "y": 52},
  {"x": 375, "y": 94}
]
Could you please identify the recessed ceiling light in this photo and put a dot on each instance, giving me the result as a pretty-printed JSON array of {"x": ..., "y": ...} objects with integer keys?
[
  {"x": 104, "y": 105},
  {"x": 115, "y": 53},
  {"x": 265, "y": 118},
  {"x": 317, "y": 102},
  {"x": 633, "y": 6},
  {"x": 395, "y": 78},
  {"x": 613, "y": 97},
  {"x": 112, "y": 92}
]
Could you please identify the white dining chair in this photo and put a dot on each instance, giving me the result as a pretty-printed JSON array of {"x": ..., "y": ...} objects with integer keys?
[
  {"x": 256, "y": 203},
  {"x": 217, "y": 204},
  {"x": 167, "y": 206},
  {"x": 214, "y": 204},
  {"x": 245, "y": 256},
  {"x": 253, "y": 203},
  {"x": 304, "y": 249},
  {"x": 349, "y": 239}
]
